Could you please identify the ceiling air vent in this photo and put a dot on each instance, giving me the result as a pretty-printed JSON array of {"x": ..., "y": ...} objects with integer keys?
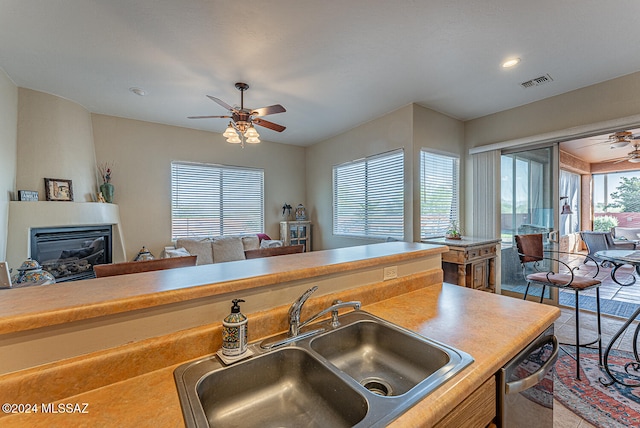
[{"x": 537, "y": 81}]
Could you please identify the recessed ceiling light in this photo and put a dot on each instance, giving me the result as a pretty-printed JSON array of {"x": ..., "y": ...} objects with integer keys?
[
  {"x": 138, "y": 91},
  {"x": 511, "y": 63}
]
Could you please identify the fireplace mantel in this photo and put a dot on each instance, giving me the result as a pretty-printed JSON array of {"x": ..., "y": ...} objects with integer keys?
[{"x": 26, "y": 215}]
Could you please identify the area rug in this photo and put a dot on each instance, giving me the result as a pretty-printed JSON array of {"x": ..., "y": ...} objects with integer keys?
[
  {"x": 614, "y": 406},
  {"x": 609, "y": 307}
]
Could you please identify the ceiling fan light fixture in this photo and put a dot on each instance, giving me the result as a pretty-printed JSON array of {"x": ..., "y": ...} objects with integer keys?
[
  {"x": 234, "y": 139},
  {"x": 251, "y": 132},
  {"x": 230, "y": 132},
  {"x": 241, "y": 127},
  {"x": 619, "y": 143},
  {"x": 635, "y": 160}
]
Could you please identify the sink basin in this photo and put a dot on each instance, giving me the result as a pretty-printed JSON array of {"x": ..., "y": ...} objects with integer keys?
[
  {"x": 384, "y": 360},
  {"x": 287, "y": 387},
  {"x": 363, "y": 373}
]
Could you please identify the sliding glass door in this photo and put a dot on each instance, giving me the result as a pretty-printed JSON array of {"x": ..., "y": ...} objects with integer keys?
[{"x": 529, "y": 204}]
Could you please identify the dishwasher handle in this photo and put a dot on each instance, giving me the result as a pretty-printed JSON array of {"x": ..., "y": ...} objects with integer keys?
[{"x": 520, "y": 385}]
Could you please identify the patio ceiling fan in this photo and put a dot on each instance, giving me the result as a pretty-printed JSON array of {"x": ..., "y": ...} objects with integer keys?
[
  {"x": 633, "y": 156},
  {"x": 618, "y": 139},
  {"x": 243, "y": 119}
]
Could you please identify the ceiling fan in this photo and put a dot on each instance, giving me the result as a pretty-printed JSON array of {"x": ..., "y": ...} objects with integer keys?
[
  {"x": 633, "y": 156},
  {"x": 618, "y": 139},
  {"x": 242, "y": 119}
]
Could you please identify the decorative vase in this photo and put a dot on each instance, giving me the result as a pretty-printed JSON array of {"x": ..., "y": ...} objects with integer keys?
[
  {"x": 107, "y": 192},
  {"x": 143, "y": 255},
  {"x": 31, "y": 273}
]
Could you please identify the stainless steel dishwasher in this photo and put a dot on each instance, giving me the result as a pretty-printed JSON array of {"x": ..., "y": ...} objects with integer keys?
[{"x": 525, "y": 385}]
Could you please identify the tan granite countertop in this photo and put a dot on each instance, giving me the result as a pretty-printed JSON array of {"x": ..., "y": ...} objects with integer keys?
[
  {"x": 491, "y": 328},
  {"x": 35, "y": 307}
]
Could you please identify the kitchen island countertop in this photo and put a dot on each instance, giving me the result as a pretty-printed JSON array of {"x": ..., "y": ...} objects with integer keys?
[{"x": 491, "y": 328}]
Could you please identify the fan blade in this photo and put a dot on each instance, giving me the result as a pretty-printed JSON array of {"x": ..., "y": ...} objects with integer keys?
[
  {"x": 269, "y": 125},
  {"x": 263, "y": 111},
  {"x": 209, "y": 117},
  {"x": 222, "y": 103},
  {"x": 621, "y": 160}
]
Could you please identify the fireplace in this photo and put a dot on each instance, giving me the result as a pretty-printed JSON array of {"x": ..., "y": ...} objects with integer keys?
[{"x": 69, "y": 253}]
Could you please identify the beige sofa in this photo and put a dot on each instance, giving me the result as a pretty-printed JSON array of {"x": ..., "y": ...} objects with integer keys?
[{"x": 222, "y": 249}]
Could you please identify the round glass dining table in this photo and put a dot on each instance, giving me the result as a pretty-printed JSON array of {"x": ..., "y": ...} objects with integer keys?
[{"x": 619, "y": 258}]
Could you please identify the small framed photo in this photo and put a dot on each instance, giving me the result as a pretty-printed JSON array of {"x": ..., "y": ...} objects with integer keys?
[
  {"x": 58, "y": 190},
  {"x": 27, "y": 195}
]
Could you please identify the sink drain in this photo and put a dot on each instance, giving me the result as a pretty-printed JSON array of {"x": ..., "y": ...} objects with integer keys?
[{"x": 377, "y": 386}]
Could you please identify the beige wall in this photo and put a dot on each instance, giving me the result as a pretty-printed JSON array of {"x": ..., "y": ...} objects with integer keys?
[
  {"x": 55, "y": 140},
  {"x": 142, "y": 153},
  {"x": 613, "y": 99},
  {"x": 8, "y": 152},
  {"x": 440, "y": 133},
  {"x": 389, "y": 132},
  {"x": 411, "y": 127}
]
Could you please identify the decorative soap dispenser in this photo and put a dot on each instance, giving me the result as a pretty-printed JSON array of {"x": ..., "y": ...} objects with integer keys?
[{"x": 234, "y": 332}]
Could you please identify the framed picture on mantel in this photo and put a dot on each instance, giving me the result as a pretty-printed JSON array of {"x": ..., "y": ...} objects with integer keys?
[{"x": 58, "y": 190}]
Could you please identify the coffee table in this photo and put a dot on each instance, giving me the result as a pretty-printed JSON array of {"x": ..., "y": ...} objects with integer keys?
[{"x": 619, "y": 258}]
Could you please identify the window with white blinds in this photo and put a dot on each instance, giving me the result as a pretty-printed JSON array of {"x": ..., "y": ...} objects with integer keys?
[
  {"x": 439, "y": 193},
  {"x": 368, "y": 196},
  {"x": 215, "y": 200}
]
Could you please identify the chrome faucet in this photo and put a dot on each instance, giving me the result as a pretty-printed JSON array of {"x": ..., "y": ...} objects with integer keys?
[{"x": 294, "y": 312}]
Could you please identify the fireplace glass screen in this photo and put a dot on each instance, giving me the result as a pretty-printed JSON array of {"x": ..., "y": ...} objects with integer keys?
[{"x": 69, "y": 253}]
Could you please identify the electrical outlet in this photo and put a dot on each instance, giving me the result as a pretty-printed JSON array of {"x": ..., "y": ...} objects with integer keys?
[
  {"x": 5, "y": 279},
  {"x": 390, "y": 272}
]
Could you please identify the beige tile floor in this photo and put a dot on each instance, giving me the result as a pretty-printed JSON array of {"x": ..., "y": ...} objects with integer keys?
[
  {"x": 565, "y": 331},
  {"x": 609, "y": 289}
]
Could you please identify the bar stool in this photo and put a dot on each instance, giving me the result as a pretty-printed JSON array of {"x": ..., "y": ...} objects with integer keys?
[{"x": 533, "y": 255}]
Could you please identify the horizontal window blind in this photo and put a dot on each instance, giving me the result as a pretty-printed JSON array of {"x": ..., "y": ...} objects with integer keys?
[
  {"x": 368, "y": 197},
  {"x": 439, "y": 188},
  {"x": 215, "y": 200}
]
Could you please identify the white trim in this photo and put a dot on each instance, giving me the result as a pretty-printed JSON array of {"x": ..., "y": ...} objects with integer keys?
[{"x": 563, "y": 134}]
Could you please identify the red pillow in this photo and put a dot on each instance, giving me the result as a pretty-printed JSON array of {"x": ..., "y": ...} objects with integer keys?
[{"x": 262, "y": 236}]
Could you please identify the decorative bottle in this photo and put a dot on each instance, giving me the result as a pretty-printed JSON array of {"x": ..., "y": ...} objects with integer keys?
[{"x": 234, "y": 331}]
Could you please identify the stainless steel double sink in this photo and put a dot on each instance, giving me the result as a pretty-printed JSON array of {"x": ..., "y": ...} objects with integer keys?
[{"x": 363, "y": 373}]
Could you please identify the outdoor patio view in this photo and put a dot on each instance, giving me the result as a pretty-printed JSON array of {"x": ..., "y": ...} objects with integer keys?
[
  {"x": 616, "y": 200},
  {"x": 527, "y": 207}
]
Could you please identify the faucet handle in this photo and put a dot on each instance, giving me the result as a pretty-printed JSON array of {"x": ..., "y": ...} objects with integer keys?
[{"x": 334, "y": 315}]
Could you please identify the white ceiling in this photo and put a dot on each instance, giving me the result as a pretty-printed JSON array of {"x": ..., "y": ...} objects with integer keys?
[{"x": 333, "y": 64}]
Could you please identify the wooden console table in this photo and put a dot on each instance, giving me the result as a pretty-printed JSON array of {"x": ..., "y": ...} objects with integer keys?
[{"x": 470, "y": 262}]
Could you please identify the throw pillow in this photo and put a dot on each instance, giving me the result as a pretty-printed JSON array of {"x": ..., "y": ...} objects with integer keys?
[
  {"x": 262, "y": 236},
  {"x": 227, "y": 249},
  {"x": 251, "y": 242},
  {"x": 197, "y": 247},
  {"x": 176, "y": 252},
  {"x": 270, "y": 243}
]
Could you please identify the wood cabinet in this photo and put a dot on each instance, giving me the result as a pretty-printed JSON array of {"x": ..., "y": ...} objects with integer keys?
[
  {"x": 296, "y": 232},
  {"x": 470, "y": 262},
  {"x": 477, "y": 410}
]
